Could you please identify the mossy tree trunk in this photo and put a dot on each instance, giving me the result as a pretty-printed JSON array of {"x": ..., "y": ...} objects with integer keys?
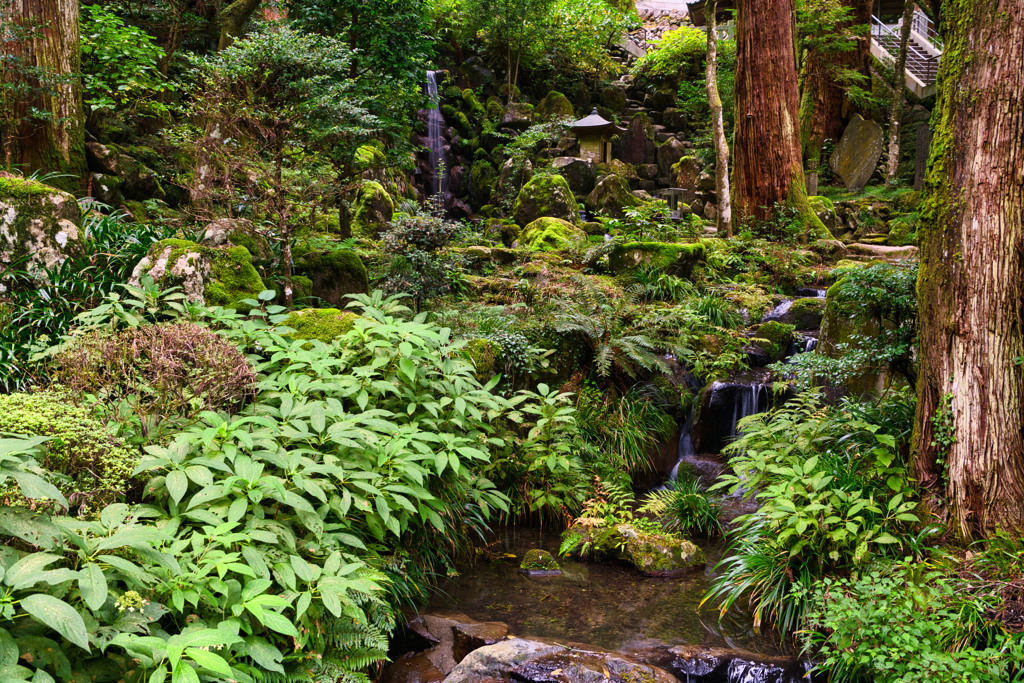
[
  {"x": 971, "y": 282},
  {"x": 718, "y": 126},
  {"x": 768, "y": 171},
  {"x": 42, "y": 121},
  {"x": 825, "y": 106},
  {"x": 233, "y": 19}
]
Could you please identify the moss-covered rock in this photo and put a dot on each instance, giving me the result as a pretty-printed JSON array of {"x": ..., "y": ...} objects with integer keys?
[
  {"x": 554, "y": 106},
  {"x": 471, "y": 105},
  {"x": 550, "y": 234},
  {"x": 482, "y": 178},
  {"x": 537, "y": 562},
  {"x": 216, "y": 276},
  {"x": 240, "y": 233},
  {"x": 653, "y": 554},
  {"x": 322, "y": 324},
  {"x": 579, "y": 173},
  {"x": 806, "y": 314},
  {"x": 545, "y": 196},
  {"x": 484, "y": 354},
  {"x": 611, "y": 197},
  {"x": 333, "y": 274},
  {"x": 671, "y": 258},
  {"x": 515, "y": 173},
  {"x": 517, "y": 116},
  {"x": 372, "y": 210},
  {"x": 38, "y": 222},
  {"x": 775, "y": 338}
]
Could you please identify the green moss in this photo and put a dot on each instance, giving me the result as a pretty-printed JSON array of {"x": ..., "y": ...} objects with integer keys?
[
  {"x": 368, "y": 156},
  {"x": 98, "y": 467},
  {"x": 372, "y": 211},
  {"x": 545, "y": 196},
  {"x": 471, "y": 105},
  {"x": 813, "y": 228},
  {"x": 551, "y": 234},
  {"x": 232, "y": 276},
  {"x": 807, "y": 313},
  {"x": 323, "y": 324},
  {"x": 484, "y": 355},
  {"x": 24, "y": 188},
  {"x": 675, "y": 259},
  {"x": 495, "y": 109},
  {"x": 774, "y": 337},
  {"x": 554, "y": 106},
  {"x": 334, "y": 274},
  {"x": 539, "y": 560}
]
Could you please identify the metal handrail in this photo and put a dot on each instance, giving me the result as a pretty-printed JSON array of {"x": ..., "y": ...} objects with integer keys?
[{"x": 879, "y": 30}]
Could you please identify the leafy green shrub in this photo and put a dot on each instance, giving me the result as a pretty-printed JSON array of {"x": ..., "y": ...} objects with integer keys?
[
  {"x": 97, "y": 468},
  {"x": 418, "y": 264},
  {"x": 617, "y": 433},
  {"x": 832, "y": 493},
  {"x": 170, "y": 370},
  {"x": 120, "y": 63},
  {"x": 684, "y": 508},
  {"x": 901, "y": 624}
]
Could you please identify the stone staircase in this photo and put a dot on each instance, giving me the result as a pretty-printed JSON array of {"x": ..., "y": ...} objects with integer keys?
[{"x": 924, "y": 51}]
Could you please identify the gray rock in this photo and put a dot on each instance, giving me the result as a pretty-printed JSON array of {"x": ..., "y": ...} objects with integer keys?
[
  {"x": 37, "y": 221},
  {"x": 517, "y": 116},
  {"x": 514, "y": 174},
  {"x": 101, "y": 159},
  {"x": 856, "y": 156},
  {"x": 669, "y": 155},
  {"x": 579, "y": 173}
]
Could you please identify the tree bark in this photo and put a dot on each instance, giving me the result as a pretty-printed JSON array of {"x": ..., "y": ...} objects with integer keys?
[
  {"x": 768, "y": 163},
  {"x": 40, "y": 44},
  {"x": 233, "y": 19},
  {"x": 718, "y": 126},
  {"x": 970, "y": 287},
  {"x": 824, "y": 107},
  {"x": 897, "y": 100}
]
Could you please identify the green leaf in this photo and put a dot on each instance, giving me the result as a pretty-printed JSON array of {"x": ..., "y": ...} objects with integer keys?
[
  {"x": 93, "y": 586},
  {"x": 8, "y": 650},
  {"x": 273, "y": 620},
  {"x": 177, "y": 485},
  {"x": 264, "y": 654},
  {"x": 58, "y": 615},
  {"x": 209, "y": 660}
]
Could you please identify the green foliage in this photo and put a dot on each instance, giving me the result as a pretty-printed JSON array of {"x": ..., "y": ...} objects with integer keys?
[
  {"x": 96, "y": 467},
  {"x": 832, "y": 493},
  {"x": 120, "y": 64},
  {"x": 542, "y": 472},
  {"x": 882, "y": 297},
  {"x": 618, "y": 432},
  {"x": 684, "y": 508},
  {"x": 419, "y": 264},
  {"x": 902, "y": 624}
]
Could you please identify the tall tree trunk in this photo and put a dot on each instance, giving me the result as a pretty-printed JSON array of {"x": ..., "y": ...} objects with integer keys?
[
  {"x": 718, "y": 125},
  {"x": 971, "y": 284},
  {"x": 898, "y": 98},
  {"x": 40, "y": 44},
  {"x": 768, "y": 162},
  {"x": 233, "y": 19},
  {"x": 824, "y": 106}
]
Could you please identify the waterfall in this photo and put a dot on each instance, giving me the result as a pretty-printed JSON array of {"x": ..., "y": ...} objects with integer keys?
[
  {"x": 750, "y": 399},
  {"x": 686, "y": 450},
  {"x": 811, "y": 293},
  {"x": 779, "y": 311},
  {"x": 435, "y": 123}
]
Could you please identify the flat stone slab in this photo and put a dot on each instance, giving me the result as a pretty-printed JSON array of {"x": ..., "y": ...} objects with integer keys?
[{"x": 856, "y": 156}]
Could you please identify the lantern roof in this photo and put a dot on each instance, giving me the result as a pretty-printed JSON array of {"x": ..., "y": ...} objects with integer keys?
[{"x": 595, "y": 124}]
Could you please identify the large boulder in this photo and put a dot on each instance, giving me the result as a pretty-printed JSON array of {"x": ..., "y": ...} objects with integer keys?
[
  {"x": 215, "y": 276},
  {"x": 517, "y": 116},
  {"x": 611, "y": 197},
  {"x": 372, "y": 210},
  {"x": 239, "y": 232},
  {"x": 551, "y": 234},
  {"x": 38, "y": 222},
  {"x": 669, "y": 155},
  {"x": 670, "y": 258},
  {"x": 481, "y": 182},
  {"x": 554, "y": 106},
  {"x": 637, "y": 145},
  {"x": 333, "y": 274},
  {"x": 537, "y": 661},
  {"x": 613, "y": 97},
  {"x": 545, "y": 196},
  {"x": 515, "y": 173},
  {"x": 579, "y": 173},
  {"x": 856, "y": 156},
  {"x": 687, "y": 172}
]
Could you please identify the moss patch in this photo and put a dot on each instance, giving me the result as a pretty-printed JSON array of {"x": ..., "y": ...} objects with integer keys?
[
  {"x": 484, "y": 354},
  {"x": 674, "y": 259},
  {"x": 775, "y": 338},
  {"x": 545, "y": 196},
  {"x": 333, "y": 274},
  {"x": 322, "y": 324},
  {"x": 539, "y": 560},
  {"x": 550, "y": 234}
]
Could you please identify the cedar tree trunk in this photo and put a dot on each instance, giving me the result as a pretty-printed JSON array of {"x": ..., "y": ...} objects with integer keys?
[
  {"x": 971, "y": 282},
  {"x": 824, "y": 107},
  {"x": 768, "y": 162},
  {"x": 718, "y": 126},
  {"x": 39, "y": 40},
  {"x": 233, "y": 19}
]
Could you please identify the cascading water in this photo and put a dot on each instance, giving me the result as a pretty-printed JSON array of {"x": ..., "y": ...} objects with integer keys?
[
  {"x": 779, "y": 311},
  {"x": 435, "y": 124},
  {"x": 811, "y": 292}
]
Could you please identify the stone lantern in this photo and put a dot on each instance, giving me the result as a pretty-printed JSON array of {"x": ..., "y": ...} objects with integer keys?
[{"x": 595, "y": 134}]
